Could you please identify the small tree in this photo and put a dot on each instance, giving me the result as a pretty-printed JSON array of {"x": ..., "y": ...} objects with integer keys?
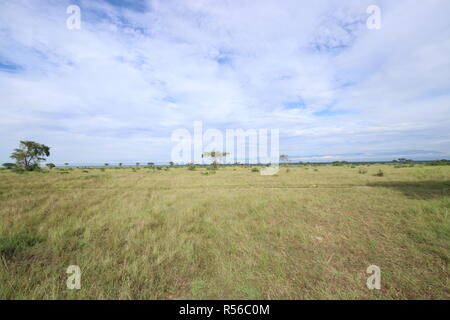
[
  {"x": 30, "y": 154},
  {"x": 106, "y": 164},
  {"x": 171, "y": 163},
  {"x": 66, "y": 164},
  {"x": 50, "y": 165},
  {"x": 215, "y": 157},
  {"x": 284, "y": 158},
  {"x": 120, "y": 164},
  {"x": 137, "y": 164},
  {"x": 9, "y": 165},
  {"x": 150, "y": 164}
]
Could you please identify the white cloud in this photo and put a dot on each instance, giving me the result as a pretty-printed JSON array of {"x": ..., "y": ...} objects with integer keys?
[{"x": 117, "y": 88}]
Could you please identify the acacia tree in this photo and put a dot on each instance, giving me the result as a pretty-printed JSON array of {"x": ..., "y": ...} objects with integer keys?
[
  {"x": 9, "y": 165},
  {"x": 215, "y": 157},
  {"x": 50, "y": 165},
  {"x": 29, "y": 154},
  {"x": 284, "y": 158}
]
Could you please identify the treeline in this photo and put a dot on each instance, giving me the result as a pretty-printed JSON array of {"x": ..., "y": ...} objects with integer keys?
[{"x": 30, "y": 154}]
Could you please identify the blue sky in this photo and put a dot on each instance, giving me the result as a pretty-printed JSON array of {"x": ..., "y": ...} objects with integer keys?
[{"x": 115, "y": 90}]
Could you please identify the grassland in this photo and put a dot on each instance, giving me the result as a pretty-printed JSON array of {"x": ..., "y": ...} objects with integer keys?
[{"x": 309, "y": 232}]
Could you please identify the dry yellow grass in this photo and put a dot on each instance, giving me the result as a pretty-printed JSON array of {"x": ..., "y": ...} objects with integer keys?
[{"x": 155, "y": 234}]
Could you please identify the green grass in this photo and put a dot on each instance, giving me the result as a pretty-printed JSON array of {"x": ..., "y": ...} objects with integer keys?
[
  {"x": 16, "y": 243},
  {"x": 184, "y": 234}
]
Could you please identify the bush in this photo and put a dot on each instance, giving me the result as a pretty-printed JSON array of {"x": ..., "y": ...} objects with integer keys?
[
  {"x": 192, "y": 167},
  {"x": 380, "y": 173},
  {"x": 255, "y": 170},
  {"x": 208, "y": 172},
  {"x": 19, "y": 170},
  {"x": 442, "y": 162},
  {"x": 362, "y": 171}
]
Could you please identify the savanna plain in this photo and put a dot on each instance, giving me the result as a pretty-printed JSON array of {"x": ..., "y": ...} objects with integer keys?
[{"x": 308, "y": 232}]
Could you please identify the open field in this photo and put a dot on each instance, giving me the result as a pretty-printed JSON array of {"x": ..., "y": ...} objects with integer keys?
[{"x": 309, "y": 232}]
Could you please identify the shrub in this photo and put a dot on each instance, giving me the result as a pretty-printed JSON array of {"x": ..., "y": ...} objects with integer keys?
[
  {"x": 255, "y": 170},
  {"x": 19, "y": 170},
  {"x": 50, "y": 165},
  {"x": 339, "y": 163},
  {"x": 442, "y": 162},
  {"x": 380, "y": 173},
  {"x": 362, "y": 171},
  {"x": 192, "y": 167}
]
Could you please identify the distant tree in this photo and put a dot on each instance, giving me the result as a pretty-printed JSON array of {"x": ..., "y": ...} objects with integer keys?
[
  {"x": 9, "y": 165},
  {"x": 50, "y": 165},
  {"x": 137, "y": 164},
  {"x": 150, "y": 164},
  {"x": 120, "y": 164},
  {"x": 171, "y": 163},
  {"x": 66, "y": 164},
  {"x": 106, "y": 164},
  {"x": 30, "y": 154},
  {"x": 284, "y": 158},
  {"x": 215, "y": 157}
]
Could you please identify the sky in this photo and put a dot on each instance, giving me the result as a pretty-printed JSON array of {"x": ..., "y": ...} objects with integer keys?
[{"x": 117, "y": 88}]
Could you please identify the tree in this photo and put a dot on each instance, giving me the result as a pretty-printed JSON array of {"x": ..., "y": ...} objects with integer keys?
[
  {"x": 30, "y": 154},
  {"x": 66, "y": 164},
  {"x": 150, "y": 164},
  {"x": 284, "y": 158},
  {"x": 106, "y": 164},
  {"x": 171, "y": 163},
  {"x": 50, "y": 165},
  {"x": 215, "y": 156},
  {"x": 9, "y": 165},
  {"x": 137, "y": 164},
  {"x": 120, "y": 164}
]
